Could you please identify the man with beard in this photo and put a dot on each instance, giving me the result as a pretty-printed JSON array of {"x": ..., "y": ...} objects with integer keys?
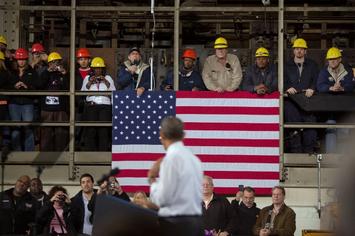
[
  {"x": 261, "y": 77},
  {"x": 189, "y": 79},
  {"x": 300, "y": 77},
  {"x": 134, "y": 74},
  {"x": 80, "y": 202},
  {"x": 17, "y": 208},
  {"x": 222, "y": 72}
]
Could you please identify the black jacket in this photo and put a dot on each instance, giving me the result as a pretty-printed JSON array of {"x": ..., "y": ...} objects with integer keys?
[
  {"x": 219, "y": 215},
  {"x": 5, "y": 79},
  {"x": 246, "y": 218},
  {"x": 46, "y": 214},
  {"x": 308, "y": 78},
  {"x": 54, "y": 81},
  {"x": 30, "y": 78},
  {"x": 16, "y": 213},
  {"x": 254, "y": 76}
]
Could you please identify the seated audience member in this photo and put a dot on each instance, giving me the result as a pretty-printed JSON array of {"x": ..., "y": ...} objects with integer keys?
[
  {"x": 217, "y": 213},
  {"x": 81, "y": 202},
  {"x": 334, "y": 78},
  {"x": 222, "y": 71},
  {"x": 36, "y": 190},
  {"x": 140, "y": 198},
  {"x": 54, "y": 108},
  {"x": 112, "y": 187},
  {"x": 4, "y": 110},
  {"x": 134, "y": 74},
  {"x": 97, "y": 108},
  {"x": 300, "y": 76},
  {"x": 189, "y": 79},
  {"x": 21, "y": 108},
  {"x": 39, "y": 58},
  {"x": 277, "y": 219},
  {"x": 261, "y": 78},
  {"x": 246, "y": 212},
  {"x": 17, "y": 208},
  {"x": 55, "y": 217}
]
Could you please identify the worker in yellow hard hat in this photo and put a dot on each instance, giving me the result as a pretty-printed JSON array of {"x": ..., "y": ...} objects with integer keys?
[
  {"x": 335, "y": 77},
  {"x": 222, "y": 71},
  {"x": 54, "y": 108},
  {"x": 97, "y": 108},
  {"x": 134, "y": 74},
  {"x": 260, "y": 78},
  {"x": 300, "y": 77}
]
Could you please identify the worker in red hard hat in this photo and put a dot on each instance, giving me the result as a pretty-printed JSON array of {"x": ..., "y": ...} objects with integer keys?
[
  {"x": 39, "y": 58},
  {"x": 83, "y": 58},
  {"x": 189, "y": 79},
  {"x": 21, "y": 108}
]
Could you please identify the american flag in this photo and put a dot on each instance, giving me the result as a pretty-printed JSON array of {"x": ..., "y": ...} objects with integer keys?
[{"x": 235, "y": 135}]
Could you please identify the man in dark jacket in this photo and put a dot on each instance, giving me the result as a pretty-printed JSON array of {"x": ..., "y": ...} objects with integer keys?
[
  {"x": 36, "y": 190},
  {"x": 189, "y": 79},
  {"x": 134, "y": 74},
  {"x": 300, "y": 77},
  {"x": 17, "y": 208},
  {"x": 217, "y": 213},
  {"x": 246, "y": 212},
  {"x": 277, "y": 219},
  {"x": 260, "y": 78}
]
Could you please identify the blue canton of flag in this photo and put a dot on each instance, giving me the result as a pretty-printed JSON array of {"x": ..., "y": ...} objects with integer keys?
[{"x": 136, "y": 120}]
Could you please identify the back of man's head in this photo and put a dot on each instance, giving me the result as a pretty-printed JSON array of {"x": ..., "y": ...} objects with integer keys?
[{"x": 172, "y": 128}]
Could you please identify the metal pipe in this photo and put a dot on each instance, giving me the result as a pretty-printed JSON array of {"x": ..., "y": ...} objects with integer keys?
[
  {"x": 176, "y": 43},
  {"x": 280, "y": 70},
  {"x": 71, "y": 167},
  {"x": 319, "y": 182}
]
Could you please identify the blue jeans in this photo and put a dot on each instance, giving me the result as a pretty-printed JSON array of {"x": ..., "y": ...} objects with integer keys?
[{"x": 22, "y": 113}]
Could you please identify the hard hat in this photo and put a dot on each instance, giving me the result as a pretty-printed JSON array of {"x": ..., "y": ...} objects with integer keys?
[
  {"x": 2, "y": 56},
  {"x": 21, "y": 54},
  {"x": 97, "y": 62},
  {"x": 189, "y": 53},
  {"x": 299, "y": 43},
  {"x": 333, "y": 53},
  {"x": 220, "y": 43},
  {"x": 3, "y": 40},
  {"x": 261, "y": 52},
  {"x": 37, "y": 47},
  {"x": 54, "y": 56},
  {"x": 83, "y": 52}
]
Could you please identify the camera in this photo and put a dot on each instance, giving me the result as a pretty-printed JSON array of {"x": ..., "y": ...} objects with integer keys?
[{"x": 61, "y": 198}]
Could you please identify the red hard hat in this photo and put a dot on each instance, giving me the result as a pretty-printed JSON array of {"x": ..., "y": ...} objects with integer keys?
[
  {"x": 189, "y": 53},
  {"x": 37, "y": 47},
  {"x": 21, "y": 54},
  {"x": 83, "y": 52}
]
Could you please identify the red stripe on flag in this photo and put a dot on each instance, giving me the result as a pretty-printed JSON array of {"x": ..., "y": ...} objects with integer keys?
[
  {"x": 141, "y": 173},
  {"x": 228, "y": 110},
  {"x": 210, "y": 94},
  {"x": 239, "y": 158},
  {"x": 233, "y": 191},
  {"x": 203, "y": 158},
  {"x": 231, "y": 142},
  {"x": 231, "y": 126},
  {"x": 219, "y": 190}
]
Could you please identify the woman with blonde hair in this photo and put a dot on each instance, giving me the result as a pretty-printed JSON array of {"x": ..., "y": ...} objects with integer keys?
[{"x": 140, "y": 198}]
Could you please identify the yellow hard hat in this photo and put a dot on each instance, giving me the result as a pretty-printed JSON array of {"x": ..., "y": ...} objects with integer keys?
[
  {"x": 97, "y": 62},
  {"x": 2, "y": 56},
  {"x": 220, "y": 43},
  {"x": 333, "y": 53},
  {"x": 299, "y": 43},
  {"x": 262, "y": 52},
  {"x": 3, "y": 40},
  {"x": 54, "y": 56}
]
